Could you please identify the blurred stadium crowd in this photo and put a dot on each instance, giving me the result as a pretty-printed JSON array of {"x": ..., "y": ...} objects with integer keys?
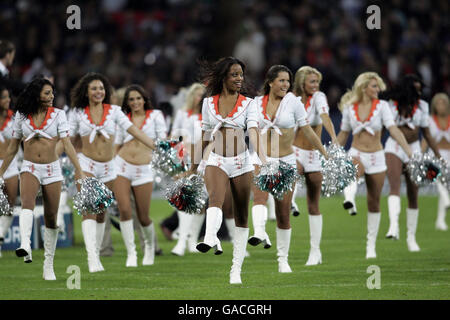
[{"x": 156, "y": 43}]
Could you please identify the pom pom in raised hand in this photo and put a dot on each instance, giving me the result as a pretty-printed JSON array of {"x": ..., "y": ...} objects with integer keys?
[
  {"x": 5, "y": 208},
  {"x": 168, "y": 157},
  {"x": 94, "y": 197},
  {"x": 277, "y": 178},
  {"x": 338, "y": 171},
  {"x": 68, "y": 172},
  {"x": 424, "y": 169},
  {"x": 187, "y": 194}
]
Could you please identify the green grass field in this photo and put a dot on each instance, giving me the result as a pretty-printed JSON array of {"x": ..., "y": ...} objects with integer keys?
[{"x": 343, "y": 274}]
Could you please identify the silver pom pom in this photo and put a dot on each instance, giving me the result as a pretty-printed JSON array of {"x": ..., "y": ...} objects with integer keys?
[
  {"x": 94, "y": 197},
  {"x": 424, "y": 169},
  {"x": 277, "y": 178},
  {"x": 187, "y": 194},
  {"x": 168, "y": 157},
  {"x": 5, "y": 208},
  {"x": 338, "y": 171}
]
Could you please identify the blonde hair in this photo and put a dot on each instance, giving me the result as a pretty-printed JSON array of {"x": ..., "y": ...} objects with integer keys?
[
  {"x": 189, "y": 102},
  {"x": 361, "y": 83},
  {"x": 438, "y": 96},
  {"x": 300, "y": 78}
]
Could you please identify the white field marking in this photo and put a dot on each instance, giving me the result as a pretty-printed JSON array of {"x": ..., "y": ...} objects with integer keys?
[{"x": 336, "y": 285}]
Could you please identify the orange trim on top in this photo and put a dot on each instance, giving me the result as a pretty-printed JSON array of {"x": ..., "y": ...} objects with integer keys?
[
  {"x": 437, "y": 122},
  {"x": 47, "y": 116},
  {"x": 106, "y": 108},
  {"x": 416, "y": 106},
  {"x": 191, "y": 113},
  {"x": 147, "y": 115},
  {"x": 265, "y": 101},
  {"x": 308, "y": 102},
  {"x": 372, "y": 110},
  {"x": 9, "y": 115},
  {"x": 236, "y": 106}
]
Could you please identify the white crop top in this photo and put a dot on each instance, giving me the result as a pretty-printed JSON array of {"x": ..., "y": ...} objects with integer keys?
[
  {"x": 193, "y": 127},
  {"x": 81, "y": 122},
  {"x": 316, "y": 105},
  {"x": 290, "y": 113},
  {"x": 380, "y": 115},
  {"x": 419, "y": 118},
  {"x": 54, "y": 125},
  {"x": 437, "y": 132},
  {"x": 7, "y": 127},
  {"x": 154, "y": 126},
  {"x": 244, "y": 114},
  {"x": 179, "y": 122}
]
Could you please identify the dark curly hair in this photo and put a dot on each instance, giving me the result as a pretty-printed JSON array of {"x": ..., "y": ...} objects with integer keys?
[
  {"x": 404, "y": 93},
  {"x": 272, "y": 74},
  {"x": 134, "y": 87},
  {"x": 213, "y": 74},
  {"x": 79, "y": 93},
  {"x": 29, "y": 100}
]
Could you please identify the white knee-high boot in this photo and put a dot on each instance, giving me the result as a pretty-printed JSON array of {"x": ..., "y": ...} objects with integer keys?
[
  {"x": 50, "y": 239},
  {"x": 373, "y": 224},
  {"x": 127, "y": 231},
  {"x": 412, "y": 217},
  {"x": 231, "y": 225},
  {"x": 213, "y": 223},
  {"x": 239, "y": 249},
  {"x": 283, "y": 244},
  {"x": 26, "y": 227},
  {"x": 444, "y": 193},
  {"x": 5, "y": 223},
  {"x": 63, "y": 208},
  {"x": 294, "y": 208},
  {"x": 149, "y": 239},
  {"x": 443, "y": 204},
  {"x": 100, "y": 232},
  {"x": 315, "y": 231},
  {"x": 259, "y": 217},
  {"x": 394, "y": 207},
  {"x": 184, "y": 223},
  {"x": 196, "y": 226},
  {"x": 271, "y": 208},
  {"x": 89, "y": 230},
  {"x": 349, "y": 194}
]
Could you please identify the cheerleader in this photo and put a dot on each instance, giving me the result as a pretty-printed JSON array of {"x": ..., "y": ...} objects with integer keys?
[
  {"x": 11, "y": 174},
  {"x": 134, "y": 173},
  {"x": 280, "y": 112},
  {"x": 307, "y": 82},
  {"x": 187, "y": 123},
  {"x": 40, "y": 124},
  {"x": 365, "y": 115},
  {"x": 95, "y": 120},
  {"x": 440, "y": 131},
  {"x": 226, "y": 113},
  {"x": 411, "y": 115}
]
